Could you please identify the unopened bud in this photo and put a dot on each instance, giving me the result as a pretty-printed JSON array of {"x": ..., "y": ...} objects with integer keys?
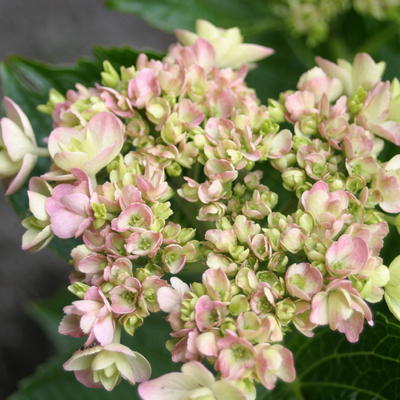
[
  {"x": 109, "y": 76},
  {"x": 78, "y": 289},
  {"x": 293, "y": 178}
]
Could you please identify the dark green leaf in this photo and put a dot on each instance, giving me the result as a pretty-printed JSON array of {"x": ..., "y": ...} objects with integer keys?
[
  {"x": 250, "y": 16},
  {"x": 330, "y": 368}
]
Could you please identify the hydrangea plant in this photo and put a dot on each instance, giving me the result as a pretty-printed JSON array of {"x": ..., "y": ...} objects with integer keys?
[{"x": 241, "y": 222}]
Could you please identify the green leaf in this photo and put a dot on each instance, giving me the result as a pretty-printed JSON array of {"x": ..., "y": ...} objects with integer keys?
[
  {"x": 168, "y": 15},
  {"x": 330, "y": 368},
  {"x": 28, "y": 82}
]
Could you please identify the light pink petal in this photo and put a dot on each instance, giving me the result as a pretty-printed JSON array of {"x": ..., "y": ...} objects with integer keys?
[
  {"x": 319, "y": 309},
  {"x": 172, "y": 386},
  {"x": 15, "y": 113},
  {"x": 104, "y": 330},
  {"x": 28, "y": 163}
]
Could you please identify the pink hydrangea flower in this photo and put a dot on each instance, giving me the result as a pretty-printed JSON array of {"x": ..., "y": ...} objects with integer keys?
[
  {"x": 330, "y": 209},
  {"x": 69, "y": 207},
  {"x": 236, "y": 356},
  {"x": 272, "y": 362},
  {"x": 303, "y": 281},
  {"x": 91, "y": 316},
  {"x": 90, "y": 148},
  {"x": 347, "y": 256},
  {"x": 342, "y": 307},
  {"x": 195, "y": 381},
  {"x": 104, "y": 366}
]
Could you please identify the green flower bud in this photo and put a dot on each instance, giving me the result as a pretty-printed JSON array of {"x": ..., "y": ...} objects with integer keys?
[
  {"x": 293, "y": 178},
  {"x": 356, "y": 100},
  {"x": 185, "y": 235},
  {"x": 127, "y": 74},
  {"x": 142, "y": 274},
  {"x": 336, "y": 182},
  {"x": 303, "y": 188},
  {"x": 309, "y": 125},
  {"x": 78, "y": 289},
  {"x": 109, "y": 76},
  {"x": 106, "y": 287},
  {"x": 299, "y": 141},
  {"x": 162, "y": 210},
  {"x": 172, "y": 131},
  {"x": 285, "y": 310},
  {"x": 355, "y": 183},
  {"x": 284, "y": 162},
  {"x": 304, "y": 220},
  {"x": 273, "y": 280},
  {"x": 277, "y": 220},
  {"x": 187, "y": 309},
  {"x": 273, "y": 236},
  {"x": 99, "y": 210},
  {"x": 276, "y": 111},
  {"x": 198, "y": 289},
  {"x": 278, "y": 262},
  {"x": 200, "y": 141},
  {"x": 238, "y": 305},
  {"x": 228, "y": 324},
  {"x": 373, "y": 216},
  {"x": 173, "y": 169},
  {"x": 55, "y": 97},
  {"x": 170, "y": 344},
  {"x": 157, "y": 110},
  {"x": 131, "y": 323},
  {"x": 239, "y": 253},
  {"x": 268, "y": 126},
  {"x": 223, "y": 224}
]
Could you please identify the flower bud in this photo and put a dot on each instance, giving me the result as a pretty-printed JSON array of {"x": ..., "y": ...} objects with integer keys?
[
  {"x": 131, "y": 323},
  {"x": 292, "y": 178},
  {"x": 309, "y": 125},
  {"x": 284, "y": 162},
  {"x": 55, "y": 97},
  {"x": 157, "y": 110},
  {"x": 356, "y": 100},
  {"x": 285, "y": 310},
  {"x": 109, "y": 76},
  {"x": 173, "y": 169},
  {"x": 238, "y": 304},
  {"x": 278, "y": 262},
  {"x": 273, "y": 280},
  {"x": 246, "y": 279},
  {"x": 172, "y": 131},
  {"x": 276, "y": 111},
  {"x": 78, "y": 289}
]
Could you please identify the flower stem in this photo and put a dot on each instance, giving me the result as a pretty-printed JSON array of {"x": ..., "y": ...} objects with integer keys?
[{"x": 41, "y": 152}]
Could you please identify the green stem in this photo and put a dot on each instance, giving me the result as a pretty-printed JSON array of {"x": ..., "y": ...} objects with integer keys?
[
  {"x": 295, "y": 386},
  {"x": 117, "y": 334},
  {"x": 390, "y": 219},
  {"x": 41, "y": 152}
]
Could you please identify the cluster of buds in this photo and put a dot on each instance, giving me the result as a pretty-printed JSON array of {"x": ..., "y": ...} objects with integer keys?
[{"x": 165, "y": 165}]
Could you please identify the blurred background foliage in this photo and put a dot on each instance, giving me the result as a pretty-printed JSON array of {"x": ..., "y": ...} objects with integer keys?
[{"x": 328, "y": 367}]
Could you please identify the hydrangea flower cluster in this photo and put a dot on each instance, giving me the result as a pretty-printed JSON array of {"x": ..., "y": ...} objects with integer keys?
[{"x": 165, "y": 168}]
